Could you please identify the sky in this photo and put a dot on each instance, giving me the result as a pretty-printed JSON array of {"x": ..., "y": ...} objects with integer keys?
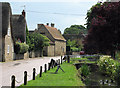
[{"x": 63, "y": 13}]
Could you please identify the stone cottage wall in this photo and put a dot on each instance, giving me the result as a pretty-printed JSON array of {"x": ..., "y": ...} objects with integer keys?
[
  {"x": 9, "y": 46},
  {"x": 51, "y": 50},
  {"x": 60, "y": 48}
]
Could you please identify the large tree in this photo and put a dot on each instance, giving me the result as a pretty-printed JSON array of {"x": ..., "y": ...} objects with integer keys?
[
  {"x": 75, "y": 29},
  {"x": 103, "y": 22},
  {"x": 38, "y": 42}
]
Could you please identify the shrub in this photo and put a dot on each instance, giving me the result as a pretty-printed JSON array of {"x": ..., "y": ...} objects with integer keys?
[
  {"x": 117, "y": 56},
  {"x": 21, "y": 48},
  {"x": 74, "y": 49},
  {"x": 84, "y": 70},
  {"x": 110, "y": 67},
  {"x": 117, "y": 73},
  {"x": 107, "y": 66}
]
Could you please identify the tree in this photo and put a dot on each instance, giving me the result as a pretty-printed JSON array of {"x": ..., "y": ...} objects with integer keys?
[
  {"x": 27, "y": 36},
  {"x": 38, "y": 41},
  {"x": 103, "y": 28},
  {"x": 75, "y": 29},
  {"x": 75, "y": 45},
  {"x": 89, "y": 16},
  {"x": 71, "y": 43}
]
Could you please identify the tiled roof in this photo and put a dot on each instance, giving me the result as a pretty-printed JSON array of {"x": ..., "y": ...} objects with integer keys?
[{"x": 55, "y": 33}]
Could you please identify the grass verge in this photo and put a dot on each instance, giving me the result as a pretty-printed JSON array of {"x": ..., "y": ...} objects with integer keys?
[{"x": 69, "y": 78}]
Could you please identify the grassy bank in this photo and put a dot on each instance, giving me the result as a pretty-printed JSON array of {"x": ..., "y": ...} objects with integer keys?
[{"x": 69, "y": 78}]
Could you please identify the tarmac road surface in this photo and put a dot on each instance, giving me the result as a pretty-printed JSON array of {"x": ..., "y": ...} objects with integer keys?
[{"x": 17, "y": 68}]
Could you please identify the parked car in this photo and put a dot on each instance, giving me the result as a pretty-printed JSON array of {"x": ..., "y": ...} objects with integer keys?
[{"x": 82, "y": 52}]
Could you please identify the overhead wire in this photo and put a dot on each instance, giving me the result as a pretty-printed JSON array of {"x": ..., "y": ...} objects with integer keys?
[{"x": 56, "y": 13}]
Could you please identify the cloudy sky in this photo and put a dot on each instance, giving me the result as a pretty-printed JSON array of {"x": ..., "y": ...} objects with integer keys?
[{"x": 63, "y": 13}]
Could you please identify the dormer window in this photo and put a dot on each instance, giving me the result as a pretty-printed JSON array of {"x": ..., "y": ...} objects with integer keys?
[{"x": 8, "y": 32}]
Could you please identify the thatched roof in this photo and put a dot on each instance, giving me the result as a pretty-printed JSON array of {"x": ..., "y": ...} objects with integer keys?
[
  {"x": 6, "y": 17},
  {"x": 19, "y": 27}
]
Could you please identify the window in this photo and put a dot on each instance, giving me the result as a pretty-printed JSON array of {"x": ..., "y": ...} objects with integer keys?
[
  {"x": 8, "y": 49},
  {"x": 63, "y": 49},
  {"x": 8, "y": 32}
]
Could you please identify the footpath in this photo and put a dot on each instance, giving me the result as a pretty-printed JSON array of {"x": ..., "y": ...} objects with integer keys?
[{"x": 17, "y": 68}]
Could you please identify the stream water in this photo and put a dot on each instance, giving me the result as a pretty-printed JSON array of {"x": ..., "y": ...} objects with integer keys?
[{"x": 96, "y": 79}]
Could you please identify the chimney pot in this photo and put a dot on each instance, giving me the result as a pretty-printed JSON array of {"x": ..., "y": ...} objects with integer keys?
[
  {"x": 52, "y": 25},
  {"x": 23, "y": 13},
  {"x": 47, "y": 24}
]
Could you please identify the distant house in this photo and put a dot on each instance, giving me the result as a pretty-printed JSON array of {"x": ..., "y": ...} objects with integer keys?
[
  {"x": 57, "y": 42},
  {"x": 6, "y": 37}
]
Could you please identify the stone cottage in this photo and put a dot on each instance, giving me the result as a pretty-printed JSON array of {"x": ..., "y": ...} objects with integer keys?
[
  {"x": 57, "y": 42},
  {"x": 19, "y": 31},
  {"x": 6, "y": 38},
  {"x": 19, "y": 27}
]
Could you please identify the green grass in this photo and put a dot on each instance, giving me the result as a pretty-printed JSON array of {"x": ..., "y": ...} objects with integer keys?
[
  {"x": 69, "y": 78},
  {"x": 78, "y": 58},
  {"x": 88, "y": 62},
  {"x": 85, "y": 60}
]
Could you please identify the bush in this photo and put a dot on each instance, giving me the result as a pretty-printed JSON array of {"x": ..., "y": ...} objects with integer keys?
[
  {"x": 84, "y": 70},
  {"x": 117, "y": 73},
  {"x": 21, "y": 48},
  {"x": 110, "y": 67},
  {"x": 74, "y": 49},
  {"x": 117, "y": 56},
  {"x": 107, "y": 65}
]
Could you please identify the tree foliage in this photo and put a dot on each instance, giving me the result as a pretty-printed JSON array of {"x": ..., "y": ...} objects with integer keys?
[
  {"x": 74, "y": 45},
  {"x": 27, "y": 36},
  {"x": 71, "y": 43},
  {"x": 21, "y": 48},
  {"x": 103, "y": 22},
  {"x": 38, "y": 41},
  {"x": 75, "y": 29}
]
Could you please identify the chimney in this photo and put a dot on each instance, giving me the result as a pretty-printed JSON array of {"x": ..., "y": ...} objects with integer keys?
[
  {"x": 23, "y": 13},
  {"x": 47, "y": 24},
  {"x": 52, "y": 25}
]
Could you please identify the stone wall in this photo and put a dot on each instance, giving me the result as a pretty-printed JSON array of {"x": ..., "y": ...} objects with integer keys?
[
  {"x": 75, "y": 53},
  {"x": 60, "y": 48},
  {"x": 34, "y": 54},
  {"x": 9, "y": 46},
  {"x": 26, "y": 55},
  {"x": 51, "y": 50},
  {"x": 19, "y": 56}
]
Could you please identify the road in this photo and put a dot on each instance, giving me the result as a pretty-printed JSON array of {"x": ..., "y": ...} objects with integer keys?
[{"x": 17, "y": 68}]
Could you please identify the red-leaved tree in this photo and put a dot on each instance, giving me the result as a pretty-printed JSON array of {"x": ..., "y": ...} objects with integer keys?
[{"x": 103, "y": 22}]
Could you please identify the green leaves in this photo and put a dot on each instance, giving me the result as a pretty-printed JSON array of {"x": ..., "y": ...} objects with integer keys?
[
  {"x": 71, "y": 43},
  {"x": 38, "y": 41},
  {"x": 110, "y": 67},
  {"x": 21, "y": 48},
  {"x": 84, "y": 70},
  {"x": 75, "y": 29}
]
